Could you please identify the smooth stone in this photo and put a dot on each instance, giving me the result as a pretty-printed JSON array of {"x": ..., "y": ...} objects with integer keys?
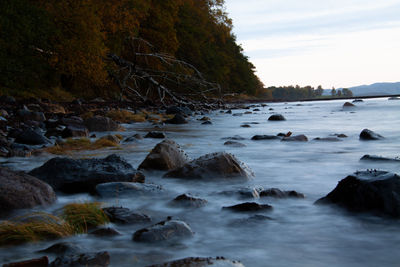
[
  {"x": 125, "y": 216},
  {"x": 248, "y": 207},
  {"x": 276, "y": 117},
  {"x": 234, "y": 144},
  {"x": 367, "y": 135},
  {"x": 127, "y": 189},
  {"x": 379, "y": 158},
  {"x": 163, "y": 231}
]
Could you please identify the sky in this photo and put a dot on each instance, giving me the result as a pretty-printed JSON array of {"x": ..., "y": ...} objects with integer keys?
[{"x": 333, "y": 43}]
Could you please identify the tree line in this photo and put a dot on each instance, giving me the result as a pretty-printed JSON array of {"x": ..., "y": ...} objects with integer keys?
[{"x": 47, "y": 44}]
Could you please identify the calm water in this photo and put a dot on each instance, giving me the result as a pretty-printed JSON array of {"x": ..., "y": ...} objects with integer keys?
[{"x": 300, "y": 234}]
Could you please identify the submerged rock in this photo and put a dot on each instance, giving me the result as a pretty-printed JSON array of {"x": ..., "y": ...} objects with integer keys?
[
  {"x": 367, "y": 134},
  {"x": 38, "y": 262},
  {"x": 157, "y": 135},
  {"x": 163, "y": 231},
  {"x": 200, "y": 262},
  {"x": 348, "y": 105},
  {"x": 188, "y": 201},
  {"x": 166, "y": 155},
  {"x": 213, "y": 166},
  {"x": 376, "y": 192},
  {"x": 63, "y": 248},
  {"x": 236, "y": 138},
  {"x": 277, "y": 193},
  {"x": 234, "y": 144},
  {"x": 102, "y": 232},
  {"x": 127, "y": 189},
  {"x": 277, "y": 117},
  {"x": 248, "y": 207},
  {"x": 20, "y": 191},
  {"x": 295, "y": 138},
  {"x": 379, "y": 158},
  {"x": 327, "y": 139},
  {"x": 125, "y": 216},
  {"x": 82, "y": 175},
  {"x": 99, "y": 259},
  {"x": 265, "y": 137}
]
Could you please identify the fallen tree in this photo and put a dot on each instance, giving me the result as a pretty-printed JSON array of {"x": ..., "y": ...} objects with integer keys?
[{"x": 151, "y": 77}]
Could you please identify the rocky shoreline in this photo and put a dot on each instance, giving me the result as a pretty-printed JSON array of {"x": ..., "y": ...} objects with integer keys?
[{"x": 32, "y": 127}]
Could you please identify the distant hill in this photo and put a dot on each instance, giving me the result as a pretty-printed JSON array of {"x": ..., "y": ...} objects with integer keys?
[{"x": 373, "y": 89}]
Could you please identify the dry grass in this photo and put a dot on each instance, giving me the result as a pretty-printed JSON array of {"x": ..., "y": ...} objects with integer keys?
[
  {"x": 71, "y": 145},
  {"x": 76, "y": 218},
  {"x": 126, "y": 116},
  {"x": 84, "y": 216},
  {"x": 32, "y": 228}
]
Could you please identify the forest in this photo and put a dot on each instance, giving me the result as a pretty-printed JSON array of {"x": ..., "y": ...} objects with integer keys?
[{"x": 121, "y": 48}]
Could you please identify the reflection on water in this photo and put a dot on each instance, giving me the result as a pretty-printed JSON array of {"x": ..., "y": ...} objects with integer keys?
[{"x": 298, "y": 233}]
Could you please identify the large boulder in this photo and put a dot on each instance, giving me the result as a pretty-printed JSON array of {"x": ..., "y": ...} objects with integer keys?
[
  {"x": 82, "y": 175},
  {"x": 163, "y": 231},
  {"x": 213, "y": 166},
  {"x": 377, "y": 192},
  {"x": 367, "y": 135},
  {"x": 126, "y": 189},
  {"x": 101, "y": 124},
  {"x": 19, "y": 191},
  {"x": 166, "y": 155},
  {"x": 200, "y": 262}
]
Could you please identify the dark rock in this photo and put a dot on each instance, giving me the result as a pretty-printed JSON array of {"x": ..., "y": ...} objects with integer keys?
[
  {"x": 276, "y": 193},
  {"x": 229, "y": 111},
  {"x": 63, "y": 248},
  {"x": 237, "y": 114},
  {"x": 7, "y": 99},
  {"x": 348, "y": 105},
  {"x": 27, "y": 115},
  {"x": 245, "y": 126},
  {"x": 256, "y": 109},
  {"x": 157, "y": 135},
  {"x": 82, "y": 175},
  {"x": 125, "y": 216},
  {"x": 394, "y": 98},
  {"x": 243, "y": 193},
  {"x": 189, "y": 201},
  {"x": 265, "y": 137},
  {"x": 177, "y": 119},
  {"x": 103, "y": 232},
  {"x": 179, "y": 110},
  {"x": 367, "y": 135},
  {"x": 39, "y": 262},
  {"x": 75, "y": 131},
  {"x": 99, "y": 259},
  {"x": 236, "y": 138},
  {"x": 211, "y": 167},
  {"x": 20, "y": 191},
  {"x": 31, "y": 137},
  {"x": 200, "y": 262},
  {"x": 124, "y": 189},
  {"x": 207, "y": 123},
  {"x": 296, "y": 138},
  {"x": 248, "y": 207},
  {"x": 234, "y": 144},
  {"x": 276, "y": 117},
  {"x": 340, "y": 135},
  {"x": 101, "y": 124},
  {"x": 166, "y": 155},
  {"x": 328, "y": 139},
  {"x": 379, "y": 158},
  {"x": 133, "y": 138},
  {"x": 163, "y": 231},
  {"x": 375, "y": 192},
  {"x": 72, "y": 121},
  {"x": 357, "y": 101},
  {"x": 248, "y": 112}
]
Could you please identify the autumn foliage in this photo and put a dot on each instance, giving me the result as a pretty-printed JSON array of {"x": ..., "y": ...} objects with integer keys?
[{"x": 47, "y": 44}]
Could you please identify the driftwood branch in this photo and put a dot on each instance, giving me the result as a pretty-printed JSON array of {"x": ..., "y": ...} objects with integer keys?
[{"x": 159, "y": 77}]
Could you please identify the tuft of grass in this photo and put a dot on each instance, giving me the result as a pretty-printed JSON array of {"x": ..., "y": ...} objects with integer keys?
[
  {"x": 71, "y": 145},
  {"x": 126, "y": 116},
  {"x": 84, "y": 216},
  {"x": 38, "y": 227}
]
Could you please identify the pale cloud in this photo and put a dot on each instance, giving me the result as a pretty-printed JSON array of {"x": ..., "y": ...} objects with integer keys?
[{"x": 333, "y": 43}]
